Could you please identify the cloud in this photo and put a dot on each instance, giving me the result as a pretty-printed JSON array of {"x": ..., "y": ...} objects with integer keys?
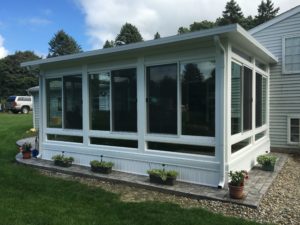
[
  {"x": 105, "y": 18},
  {"x": 3, "y": 50}
]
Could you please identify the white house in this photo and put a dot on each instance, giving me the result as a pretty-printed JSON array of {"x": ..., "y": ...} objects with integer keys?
[
  {"x": 197, "y": 102},
  {"x": 281, "y": 36}
]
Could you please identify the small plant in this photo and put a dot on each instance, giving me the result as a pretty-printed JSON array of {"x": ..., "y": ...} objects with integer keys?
[
  {"x": 101, "y": 166},
  {"x": 267, "y": 162},
  {"x": 61, "y": 160},
  {"x": 162, "y": 176},
  {"x": 26, "y": 147},
  {"x": 237, "y": 178},
  {"x": 96, "y": 163}
]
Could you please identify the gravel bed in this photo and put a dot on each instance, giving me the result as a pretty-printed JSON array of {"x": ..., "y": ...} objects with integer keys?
[{"x": 280, "y": 205}]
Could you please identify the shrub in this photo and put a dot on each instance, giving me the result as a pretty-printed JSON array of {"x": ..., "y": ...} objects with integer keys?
[
  {"x": 266, "y": 160},
  {"x": 104, "y": 164},
  {"x": 237, "y": 178},
  {"x": 163, "y": 174}
]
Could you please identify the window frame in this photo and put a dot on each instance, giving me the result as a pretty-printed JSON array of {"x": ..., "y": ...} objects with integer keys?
[
  {"x": 284, "y": 71},
  {"x": 62, "y": 101},
  {"x": 289, "y": 117}
]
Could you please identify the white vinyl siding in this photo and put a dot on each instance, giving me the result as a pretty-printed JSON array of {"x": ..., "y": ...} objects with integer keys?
[{"x": 284, "y": 88}]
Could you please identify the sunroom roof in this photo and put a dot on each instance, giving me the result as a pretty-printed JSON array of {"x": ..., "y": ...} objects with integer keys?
[{"x": 234, "y": 32}]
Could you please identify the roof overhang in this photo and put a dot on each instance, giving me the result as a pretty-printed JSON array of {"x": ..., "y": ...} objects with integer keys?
[{"x": 234, "y": 33}]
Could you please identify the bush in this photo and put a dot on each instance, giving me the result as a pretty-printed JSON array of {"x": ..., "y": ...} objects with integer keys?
[
  {"x": 63, "y": 159},
  {"x": 163, "y": 174},
  {"x": 266, "y": 160},
  {"x": 237, "y": 178},
  {"x": 103, "y": 164}
]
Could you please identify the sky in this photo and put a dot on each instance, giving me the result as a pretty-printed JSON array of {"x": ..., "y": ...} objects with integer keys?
[{"x": 30, "y": 24}]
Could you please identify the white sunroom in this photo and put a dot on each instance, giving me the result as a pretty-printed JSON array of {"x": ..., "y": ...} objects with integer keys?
[{"x": 196, "y": 102}]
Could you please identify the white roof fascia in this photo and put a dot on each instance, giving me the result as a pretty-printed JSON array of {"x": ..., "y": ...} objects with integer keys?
[
  {"x": 277, "y": 19},
  {"x": 250, "y": 38},
  {"x": 157, "y": 42},
  {"x": 234, "y": 29}
]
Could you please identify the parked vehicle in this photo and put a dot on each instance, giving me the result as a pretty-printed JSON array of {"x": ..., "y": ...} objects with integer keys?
[{"x": 17, "y": 104}]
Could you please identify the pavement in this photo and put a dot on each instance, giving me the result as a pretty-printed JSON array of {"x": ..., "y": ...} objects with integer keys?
[{"x": 255, "y": 187}]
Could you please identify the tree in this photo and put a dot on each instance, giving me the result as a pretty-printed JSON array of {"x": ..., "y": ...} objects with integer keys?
[
  {"x": 232, "y": 14},
  {"x": 183, "y": 30},
  {"x": 266, "y": 12},
  {"x": 62, "y": 44},
  {"x": 205, "y": 24},
  {"x": 15, "y": 80},
  {"x": 156, "y": 35},
  {"x": 109, "y": 44},
  {"x": 128, "y": 34}
]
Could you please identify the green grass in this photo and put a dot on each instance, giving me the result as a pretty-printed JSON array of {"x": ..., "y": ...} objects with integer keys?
[{"x": 27, "y": 197}]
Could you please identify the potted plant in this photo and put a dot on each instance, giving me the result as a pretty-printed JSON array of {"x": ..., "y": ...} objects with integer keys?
[
  {"x": 236, "y": 184},
  {"x": 101, "y": 166},
  {"x": 267, "y": 162},
  {"x": 162, "y": 176},
  {"x": 63, "y": 161},
  {"x": 26, "y": 150}
]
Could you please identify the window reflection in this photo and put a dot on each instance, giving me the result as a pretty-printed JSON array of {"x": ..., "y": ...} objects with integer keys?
[
  {"x": 198, "y": 98},
  {"x": 54, "y": 109},
  {"x": 99, "y": 85}
]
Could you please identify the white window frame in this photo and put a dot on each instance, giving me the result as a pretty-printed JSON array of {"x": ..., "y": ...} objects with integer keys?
[
  {"x": 284, "y": 71},
  {"x": 289, "y": 117}
]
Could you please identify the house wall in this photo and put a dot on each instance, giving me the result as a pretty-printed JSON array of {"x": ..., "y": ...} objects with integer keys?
[
  {"x": 284, "y": 88},
  {"x": 194, "y": 168}
]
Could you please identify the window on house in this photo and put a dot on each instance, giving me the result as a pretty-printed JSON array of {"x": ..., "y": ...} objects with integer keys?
[
  {"x": 54, "y": 107},
  {"x": 240, "y": 145},
  {"x": 261, "y": 100},
  {"x": 198, "y": 98},
  {"x": 66, "y": 112},
  {"x": 124, "y": 100},
  {"x": 241, "y": 98},
  {"x": 294, "y": 126},
  {"x": 291, "y": 54},
  {"x": 114, "y": 142},
  {"x": 64, "y": 138},
  {"x": 99, "y": 86},
  {"x": 190, "y": 149},
  {"x": 162, "y": 99},
  {"x": 72, "y": 102}
]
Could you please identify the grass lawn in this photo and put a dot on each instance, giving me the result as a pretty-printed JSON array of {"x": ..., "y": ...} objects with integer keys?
[{"x": 30, "y": 198}]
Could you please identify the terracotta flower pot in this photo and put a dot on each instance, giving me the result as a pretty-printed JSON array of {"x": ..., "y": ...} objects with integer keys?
[
  {"x": 26, "y": 155},
  {"x": 236, "y": 192}
]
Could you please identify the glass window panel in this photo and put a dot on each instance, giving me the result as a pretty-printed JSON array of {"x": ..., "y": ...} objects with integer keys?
[
  {"x": 236, "y": 93},
  {"x": 259, "y": 100},
  {"x": 260, "y": 135},
  {"x": 114, "y": 142},
  {"x": 247, "y": 99},
  {"x": 240, "y": 145},
  {"x": 198, "y": 98},
  {"x": 191, "y": 149},
  {"x": 292, "y": 54},
  {"x": 264, "y": 100},
  {"x": 73, "y": 102},
  {"x": 162, "y": 99},
  {"x": 99, "y": 86},
  {"x": 53, "y": 98},
  {"x": 294, "y": 129},
  {"x": 124, "y": 100},
  {"x": 66, "y": 138}
]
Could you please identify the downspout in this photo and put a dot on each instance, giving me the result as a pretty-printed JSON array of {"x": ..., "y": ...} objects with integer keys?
[
  {"x": 39, "y": 138},
  {"x": 221, "y": 55}
]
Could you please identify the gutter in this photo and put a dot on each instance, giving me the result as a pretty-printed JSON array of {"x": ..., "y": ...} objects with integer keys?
[{"x": 220, "y": 143}]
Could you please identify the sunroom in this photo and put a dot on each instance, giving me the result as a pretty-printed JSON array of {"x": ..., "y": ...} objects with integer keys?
[{"x": 196, "y": 102}]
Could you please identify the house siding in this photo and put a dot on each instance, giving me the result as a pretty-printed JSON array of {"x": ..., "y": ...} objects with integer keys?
[{"x": 284, "y": 88}]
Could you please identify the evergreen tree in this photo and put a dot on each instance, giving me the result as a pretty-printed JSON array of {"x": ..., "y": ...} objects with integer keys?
[
  {"x": 156, "y": 35},
  {"x": 14, "y": 79},
  {"x": 232, "y": 14},
  {"x": 205, "y": 24},
  {"x": 109, "y": 44},
  {"x": 266, "y": 12},
  {"x": 62, "y": 44},
  {"x": 128, "y": 34},
  {"x": 183, "y": 30}
]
